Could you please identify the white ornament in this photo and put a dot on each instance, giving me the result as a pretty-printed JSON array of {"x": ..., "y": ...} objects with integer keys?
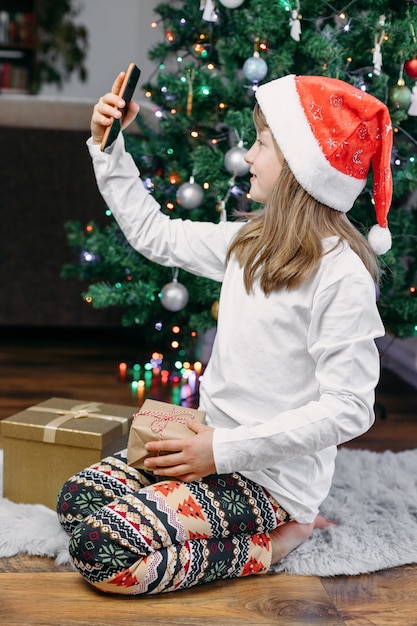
[
  {"x": 377, "y": 59},
  {"x": 209, "y": 11},
  {"x": 234, "y": 160},
  {"x": 231, "y": 4},
  {"x": 295, "y": 24},
  {"x": 190, "y": 195},
  {"x": 255, "y": 68},
  {"x": 174, "y": 296},
  {"x": 413, "y": 106}
]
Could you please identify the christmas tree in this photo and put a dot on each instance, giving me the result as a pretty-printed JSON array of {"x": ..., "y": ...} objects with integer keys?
[{"x": 211, "y": 59}]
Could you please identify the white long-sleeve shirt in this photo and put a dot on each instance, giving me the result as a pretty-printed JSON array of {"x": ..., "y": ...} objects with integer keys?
[{"x": 292, "y": 374}]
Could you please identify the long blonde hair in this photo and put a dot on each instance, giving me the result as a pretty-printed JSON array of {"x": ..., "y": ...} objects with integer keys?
[{"x": 283, "y": 241}]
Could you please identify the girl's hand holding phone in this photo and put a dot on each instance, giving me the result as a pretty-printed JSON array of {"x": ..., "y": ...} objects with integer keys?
[{"x": 108, "y": 108}]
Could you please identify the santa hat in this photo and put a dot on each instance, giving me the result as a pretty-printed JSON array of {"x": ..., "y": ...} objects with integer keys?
[{"x": 329, "y": 133}]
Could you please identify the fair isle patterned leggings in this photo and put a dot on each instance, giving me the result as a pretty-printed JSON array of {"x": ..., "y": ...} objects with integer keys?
[{"x": 132, "y": 535}]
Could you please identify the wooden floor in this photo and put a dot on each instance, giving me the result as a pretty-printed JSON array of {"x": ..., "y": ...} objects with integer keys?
[{"x": 34, "y": 591}]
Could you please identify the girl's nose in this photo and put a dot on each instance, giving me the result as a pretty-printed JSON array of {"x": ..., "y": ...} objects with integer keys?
[{"x": 248, "y": 156}]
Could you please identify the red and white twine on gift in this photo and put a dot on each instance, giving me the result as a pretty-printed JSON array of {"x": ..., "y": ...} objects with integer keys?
[{"x": 158, "y": 425}]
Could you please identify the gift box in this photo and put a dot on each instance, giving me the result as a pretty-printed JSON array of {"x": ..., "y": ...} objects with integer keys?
[
  {"x": 49, "y": 442},
  {"x": 158, "y": 420}
]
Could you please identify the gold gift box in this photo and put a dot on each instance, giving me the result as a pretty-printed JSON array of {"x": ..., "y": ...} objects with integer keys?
[{"x": 49, "y": 442}]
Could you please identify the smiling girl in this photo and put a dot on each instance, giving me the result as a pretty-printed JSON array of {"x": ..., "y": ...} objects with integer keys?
[{"x": 294, "y": 363}]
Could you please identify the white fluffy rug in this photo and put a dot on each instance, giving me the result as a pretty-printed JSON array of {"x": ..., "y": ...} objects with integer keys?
[{"x": 373, "y": 499}]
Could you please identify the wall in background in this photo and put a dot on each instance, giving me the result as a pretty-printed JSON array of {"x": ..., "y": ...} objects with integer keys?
[
  {"x": 119, "y": 33},
  {"x": 46, "y": 176}
]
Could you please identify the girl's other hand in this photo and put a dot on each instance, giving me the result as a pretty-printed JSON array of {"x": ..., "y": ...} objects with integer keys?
[{"x": 107, "y": 109}]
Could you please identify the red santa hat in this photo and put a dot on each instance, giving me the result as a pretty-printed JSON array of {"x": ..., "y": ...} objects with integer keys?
[{"x": 330, "y": 133}]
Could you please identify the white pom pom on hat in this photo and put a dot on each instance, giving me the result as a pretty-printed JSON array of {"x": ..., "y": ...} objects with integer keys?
[
  {"x": 330, "y": 134},
  {"x": 380, "y": 239}
]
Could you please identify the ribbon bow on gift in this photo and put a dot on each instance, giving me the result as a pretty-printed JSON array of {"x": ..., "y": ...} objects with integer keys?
[{"x": 78, "y": 411}]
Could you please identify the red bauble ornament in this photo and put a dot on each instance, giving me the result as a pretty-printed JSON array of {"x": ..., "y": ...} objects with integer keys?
[{"x": 410, "y": 67}]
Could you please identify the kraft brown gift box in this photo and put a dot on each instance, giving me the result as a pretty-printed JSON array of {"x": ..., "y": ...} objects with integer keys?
[
  {"x": 158, "y": 420},
  {"x": 49, "y": 442}
]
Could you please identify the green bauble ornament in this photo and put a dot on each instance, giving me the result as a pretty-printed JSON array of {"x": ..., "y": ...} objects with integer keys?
[{"x": 399, "y": 97}]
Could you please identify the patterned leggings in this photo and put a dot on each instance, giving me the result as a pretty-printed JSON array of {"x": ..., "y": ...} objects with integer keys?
[{"x": 132, "y": 535}]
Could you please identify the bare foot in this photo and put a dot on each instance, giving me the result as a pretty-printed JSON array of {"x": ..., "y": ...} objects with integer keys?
[
  {"x": 289, "y": 536},
  {"x": 321, "y": 522}
]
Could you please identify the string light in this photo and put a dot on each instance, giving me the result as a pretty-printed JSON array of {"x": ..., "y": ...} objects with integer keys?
[
  {"x": 285, "y": 5},
  {"x": 87, "y": 256}
]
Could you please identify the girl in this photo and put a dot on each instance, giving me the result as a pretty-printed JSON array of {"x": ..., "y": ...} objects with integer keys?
[{"x": 294, "y": 363}]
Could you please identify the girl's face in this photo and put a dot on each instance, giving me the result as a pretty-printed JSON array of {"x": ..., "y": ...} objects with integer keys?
[{"x": 266, "y": 165}]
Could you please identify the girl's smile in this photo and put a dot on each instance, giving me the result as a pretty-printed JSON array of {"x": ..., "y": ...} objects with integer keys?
[{"x": 266, "y": 164}]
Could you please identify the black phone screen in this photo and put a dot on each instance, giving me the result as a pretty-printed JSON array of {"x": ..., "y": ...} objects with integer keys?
[{"x": 126, "y": 93}]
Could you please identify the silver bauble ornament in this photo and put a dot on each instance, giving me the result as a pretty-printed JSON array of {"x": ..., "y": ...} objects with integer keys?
[
  {"x": 231, "y": 4},
  {"x": 234, "y": 160},
  {"x": 174, "y": 296},
  {"x": 399, "y": 97},
  {"x": 190, "y": 195},
  {"x": 255, "y": 68}
]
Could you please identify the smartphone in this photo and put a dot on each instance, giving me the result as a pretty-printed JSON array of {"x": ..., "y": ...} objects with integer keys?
[{"x": 126, "y": 92}]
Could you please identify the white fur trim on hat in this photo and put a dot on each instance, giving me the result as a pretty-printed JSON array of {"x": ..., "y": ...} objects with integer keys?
[{"x": 301, "y": 149}]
